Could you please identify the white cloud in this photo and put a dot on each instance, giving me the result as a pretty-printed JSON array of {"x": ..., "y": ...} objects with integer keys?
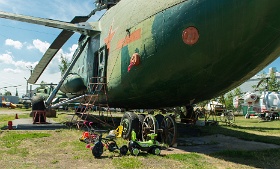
[
  {"x": 40, "y": 45},
  {"x": 14, "y": 65},
  {"x": 72, "y": 50},
  {"x": 6, "y": 58},
  {"x": 53, "y": 66},
  {"x": 25, "y": 65},
  {"x": 15, "y": 44},
  {"x": 9, "y": 70}
]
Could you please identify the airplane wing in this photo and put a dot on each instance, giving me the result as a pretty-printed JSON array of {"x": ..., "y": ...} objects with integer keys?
[
  {"x": 83, "y": 27},
  {"x": 53, "y": 49}
]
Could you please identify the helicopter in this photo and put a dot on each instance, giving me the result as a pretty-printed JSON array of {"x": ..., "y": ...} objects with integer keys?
[
  {"x": 266, "y": 104},
  {"x": 6, "y": 102},
  {"x": 154, "y": 54}
]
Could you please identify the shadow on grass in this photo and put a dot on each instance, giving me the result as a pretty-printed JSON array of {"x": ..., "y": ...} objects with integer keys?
[
  {"x": 231, "y": 131},
  {"x": 260, "y": 159},
  {"x": 268, "y": 158}
]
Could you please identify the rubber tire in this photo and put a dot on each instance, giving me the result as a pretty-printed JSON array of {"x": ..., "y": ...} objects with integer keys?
[
  {"x": 112, "y": 146},
  {"x": 123, "y": 150},
  {"x": 135, "y": 150},
  {"x": 97, "y": 150},
  {"x": 141, "y": 118},
  {"x": 133, "y": 124},
  {"x": 154, "y": 151},
  {"x": 159, "y": 118}
]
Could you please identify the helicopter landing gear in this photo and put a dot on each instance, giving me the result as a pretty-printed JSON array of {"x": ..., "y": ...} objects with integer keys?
[{"x": 129, "y": 122}]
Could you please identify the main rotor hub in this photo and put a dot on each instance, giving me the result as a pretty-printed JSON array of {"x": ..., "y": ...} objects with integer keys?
[{"x": 105, "y": 3}]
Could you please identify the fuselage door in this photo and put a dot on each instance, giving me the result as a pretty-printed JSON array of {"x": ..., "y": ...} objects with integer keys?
[{"x": 100, "y": 65}]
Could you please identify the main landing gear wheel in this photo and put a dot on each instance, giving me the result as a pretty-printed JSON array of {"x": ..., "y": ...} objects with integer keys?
[
  {"x": 159, "y": 118},
  {"x": 141, "y": 118},
  {"x": 169, "y": 133},
  {"x": 149, "y": 126},
  {"x": 129, "y": 122}
]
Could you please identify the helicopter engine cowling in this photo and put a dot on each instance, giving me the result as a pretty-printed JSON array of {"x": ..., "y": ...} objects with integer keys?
[{"x": 73, "y": 84}]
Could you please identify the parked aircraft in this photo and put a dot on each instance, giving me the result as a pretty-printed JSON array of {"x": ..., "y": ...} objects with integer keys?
[
  {"x": 154, "y": 54},
  {"x": 266, "y": 102}
]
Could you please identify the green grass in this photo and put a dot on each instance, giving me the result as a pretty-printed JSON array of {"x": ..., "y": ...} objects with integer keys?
[
  {"x": 247, "y": 129},
  {"x": 259, "y": 159},
  {"x": 191, "y": 160},
  {"x": 127, "y": 162},
  {"x": 23, "y": 152},
  {"x": 11, "y": 142},
  {"x": 60, "y": 118},
  {"x": 4, "y": 118},
  {"x": 13, "y": 139},
  {"x": 67, "y": 150}
]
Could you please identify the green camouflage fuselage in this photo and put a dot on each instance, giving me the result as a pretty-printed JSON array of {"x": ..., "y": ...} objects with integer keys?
[{"x": 237, "y": 39}]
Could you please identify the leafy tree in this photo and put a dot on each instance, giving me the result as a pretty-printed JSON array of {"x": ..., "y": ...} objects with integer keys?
[
  {"x": 8, "y": 93},
  {"x": 228, "y": 98},
  {"x": 273, "y": 84},
  {"x": 269, "y": 83},
  {"x": 64, "y": 64}
]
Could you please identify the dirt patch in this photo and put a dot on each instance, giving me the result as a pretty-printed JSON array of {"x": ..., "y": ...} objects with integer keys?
[
  {"x": 9, "y": 111},
  {"x": 215, "y": 143}
]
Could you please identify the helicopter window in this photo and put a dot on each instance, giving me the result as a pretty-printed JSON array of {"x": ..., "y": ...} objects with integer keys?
[{"x": 82, "y": 37}]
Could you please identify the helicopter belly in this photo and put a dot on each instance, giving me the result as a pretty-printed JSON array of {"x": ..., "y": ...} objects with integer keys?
[{"x": 233, "y": 41}]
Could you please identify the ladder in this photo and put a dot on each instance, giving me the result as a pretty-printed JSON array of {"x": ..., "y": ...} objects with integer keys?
[{"x": 97, "y": 88}]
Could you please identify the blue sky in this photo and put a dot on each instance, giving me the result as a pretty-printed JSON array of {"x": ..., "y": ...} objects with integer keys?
[{"x": 22, "y": 45}]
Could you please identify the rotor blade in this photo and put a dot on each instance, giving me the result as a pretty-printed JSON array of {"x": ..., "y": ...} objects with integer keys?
[
  {"x": 260, "y": 82},
  {"x": 83, "y": 28},
  {"x": 47, "y": 84},
  {"x": 53, "y": 49}
]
